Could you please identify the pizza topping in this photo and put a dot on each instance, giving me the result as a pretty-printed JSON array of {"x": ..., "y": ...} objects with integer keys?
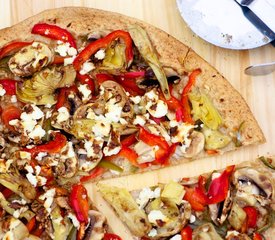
[
  {"x": 30, "y": 59},
  {"x": 54, "y": 32},
  {"x": 12, "y": 48},
  {"x": 147, "y": 51},
  {"x": 103, "y": 43}
]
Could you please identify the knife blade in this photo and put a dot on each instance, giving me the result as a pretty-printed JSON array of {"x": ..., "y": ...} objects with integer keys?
[
  {"x": 262, "y": 9},
  {"x": 256, "y": 21}
]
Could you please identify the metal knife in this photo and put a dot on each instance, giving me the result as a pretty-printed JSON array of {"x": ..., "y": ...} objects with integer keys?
[
  {"x": 260, "y": 69},
  {"x": 261, "y": 14}
]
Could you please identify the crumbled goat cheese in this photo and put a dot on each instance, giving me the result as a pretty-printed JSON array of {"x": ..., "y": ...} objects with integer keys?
[
  {"x": 153, "y": 233},
  {"x": 155, "y": 215},
  {"x": 89, "y": 146},
  {"x": 37, "y": 132},
  {"x": 62, "y": 49},
  {"x": 72, "y": 51},
  {"x": 25, "y": 155},
  {"x": 19, "y": 211},
  {"x": 234, "y": 233},
  {"x": 69, "y": 60},
  {"x": 48, "y": 198},
  {"x": 63, "y": 115},
  {"x": 74, "y": 220},
  {"x": 101, "y": 129},
  {"x": 85, "y": 91},
  {"x": 176, "y": 237},
  {"x": 13, "y": 99},
  {"x": 100, "y": 54},
  {"x": 136, "y": 99},
  {"x": 139, "y": 120},
  {"x": 113, "y": 113},
  {"x": 87, "y": 67},
  {"x": 2, "y": 90},
  {"x": 146, "y": 194},
  {"x": 158, "y": 110},
  {"x": 111, "y": 151}
]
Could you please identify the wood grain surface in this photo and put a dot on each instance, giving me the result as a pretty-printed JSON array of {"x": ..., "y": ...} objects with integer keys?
[{"x": 259, "y": 92}]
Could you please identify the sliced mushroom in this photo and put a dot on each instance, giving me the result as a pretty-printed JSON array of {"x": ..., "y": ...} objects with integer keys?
[
  {"x": 12, "y": 228},
  {"x": 234, "y": 235},
  {"x": 219, "y": 211},
  {"x": 253, "y": 186},
  {"x": 30, "y": 59},
  {"x": 96, "y": 227},
  {"x": 196, "y": 146}
]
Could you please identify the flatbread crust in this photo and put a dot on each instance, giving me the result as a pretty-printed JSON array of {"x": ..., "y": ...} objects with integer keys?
[{"x": 172, "y": 54}]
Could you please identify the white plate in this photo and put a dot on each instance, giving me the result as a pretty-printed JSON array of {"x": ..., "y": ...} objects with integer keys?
[{"x": 222, "y": 23}]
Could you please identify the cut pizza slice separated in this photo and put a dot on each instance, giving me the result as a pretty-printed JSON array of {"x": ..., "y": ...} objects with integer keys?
[
  {"x": 53, "y": 212},
  {"x": 235, "y": 203},
  {"x": 125, "y": 96}
]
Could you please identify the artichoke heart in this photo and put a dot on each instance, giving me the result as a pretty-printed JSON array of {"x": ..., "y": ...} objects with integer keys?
[
  {"x": 214, "y": 139},
  {"x": 203, "y": 109},
  {"x": 127, "y": 209},
  {"x": 173, "y": 191},
  {"x": 206, "y": 232},
  {"x": 115, "y": 57},
  {"x": 40, "y": 89}
]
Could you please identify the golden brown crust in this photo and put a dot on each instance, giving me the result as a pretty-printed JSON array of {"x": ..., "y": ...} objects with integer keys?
[{"x": 172, "y": 54}]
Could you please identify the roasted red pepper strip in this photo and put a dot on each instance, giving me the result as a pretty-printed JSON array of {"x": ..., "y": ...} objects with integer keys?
[
  {"x": 7, "y": 192},
  {"x": 186, "y": 233},
  {"x": 103, "y": 77},
  {"x": 219, "y": 187},
  {"x": 97, "y": 171},
  {"x": 53, "y": 146},
  {"x": 31, "y": 224},
  {"x": 133, "y": 74},
  {"x": 63, "y": 96},
  {"x": 257, "y": 236},
  {"x": 111, "y": 236},
  {"x": 151, "y": 139},
  {"x": 93, "y": 47},
  {"x": 132, "y": 156},
  {"x": 79, "y": 202},
  {"x": 251, "y": 216},
  {"x": 54, "y": 32},
  {"x": 12, "y": 48},
  {"x": 196, "y": 197},
  {"x": 9, "y": 85},
  {"x": 9, "y": 113},
  {"x": 184, "y": 98},
  {"x": 129, "y": 140},
  {"x": 38, "y": 231},
  {"x": 86, "y": 79}
]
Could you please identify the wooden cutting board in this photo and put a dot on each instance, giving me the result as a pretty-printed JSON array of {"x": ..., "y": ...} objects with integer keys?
[{"x": 259, "y": 92}]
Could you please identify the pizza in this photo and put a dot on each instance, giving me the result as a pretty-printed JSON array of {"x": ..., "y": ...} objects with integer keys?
[
  {"x": 88, "y": 94},
  {"x": 234, "y": 204}
]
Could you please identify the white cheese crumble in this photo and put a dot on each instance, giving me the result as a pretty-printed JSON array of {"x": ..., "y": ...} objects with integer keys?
[
  {"x": 136, "y": 99},
  {"x": 48, "y": 198},
  {"x": 139, "y": 120},
  {"x": 146, "y": 194},
  {"x": 33, "y": 177},
  {"x": 37, "y": 132},
  {"x": 13, "y": 99},
  {"x": 62, "y": 49},
  {"x": 153, "y": 233},
  {"x": 63, "y": 115},
  {"x": 101, "y": 129},
  {"x": 85, "y": 92},
  {"x": 19, "y": 211},
  {"x": 100, "y": 54},
  {"x": 155, "y": 215},
  {"x": 176, "y": 237},
  {"x": 74, "y": 220},
  {"x": 88, "y": 145},
  {"x": 87, "y": 67},
  {"x": 158, "y": 110},
  {"x": 69, "y": 60},
  {"x": 2, "y": 90},
  {"x": 113, "y": 113},
  {"x": 109, "y": 152}
]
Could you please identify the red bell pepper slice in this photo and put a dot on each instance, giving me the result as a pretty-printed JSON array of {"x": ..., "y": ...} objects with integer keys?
[
  {"x": 133, "y": 74},
  {"x": 12, "y": 48},
  {"x": 186, "y": 233},
  {"x": 54, "y": 32},
  {"x": 132, "y": 156},
  {"x": 31, "y": 224},
  {"x": 219, "y": 187},
  {"x": 93, "y": 47},
  {"x": 251, "y": 215},
  {"x": 97, "y": 171},
  {"x": 129, "y": 140},
  {"x": 9, "y": 113},
  {"x": 163, "y": 155},
  {"x": 63, "y": 96},
  {"x": 184, "y": 98},
  {"x": 53, "y": 146},
  {"x": 196, "y": 197},
  {"x": 111, "y": 236},
  {"x": 9, "y": 85},
  {"x": 151, "y": 139},
  {"x": 79, "y": 202},
  {"x": 7, "y": 192},
  {"x": 58, "y": 60},
  {"x": 86, "y": 79},
  {"x": 257, "y": 236},
  {"x": 38, "y": 231}
]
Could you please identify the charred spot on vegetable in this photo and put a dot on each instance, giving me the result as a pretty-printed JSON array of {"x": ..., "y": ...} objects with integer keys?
[{"x": 245, "y": 180}]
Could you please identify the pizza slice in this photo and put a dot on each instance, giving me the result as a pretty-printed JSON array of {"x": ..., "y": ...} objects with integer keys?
[
  {"x": 93, "y": 94},
  {"x": 48, "y": 212},
  {"x": 235, "y": 203}
]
